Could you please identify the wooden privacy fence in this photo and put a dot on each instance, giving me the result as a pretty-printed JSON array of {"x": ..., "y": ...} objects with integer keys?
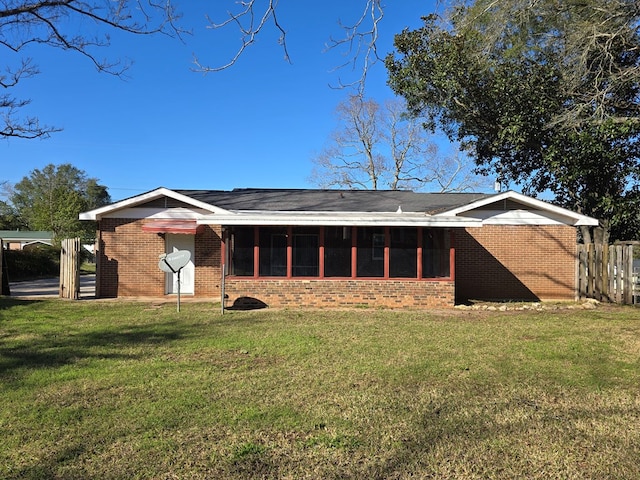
[
  {"x": 70, "y": 268},
  {"x": 605, "y": 273}
]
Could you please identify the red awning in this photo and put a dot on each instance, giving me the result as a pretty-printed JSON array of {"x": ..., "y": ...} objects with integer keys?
[{"x": 187, "y": 227}]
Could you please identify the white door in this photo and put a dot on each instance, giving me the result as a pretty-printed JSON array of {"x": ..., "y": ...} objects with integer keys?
[{"x": 175, "y": 242}]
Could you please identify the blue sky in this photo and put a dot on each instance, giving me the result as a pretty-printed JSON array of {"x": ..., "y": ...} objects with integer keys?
[{"x": 257, "y": 124}]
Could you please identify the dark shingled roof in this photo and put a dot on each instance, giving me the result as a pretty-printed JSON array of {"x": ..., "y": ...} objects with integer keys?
[{"x": 295, "y": 200}]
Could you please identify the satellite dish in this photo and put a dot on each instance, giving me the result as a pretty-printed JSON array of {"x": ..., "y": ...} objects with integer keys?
[
  {"x": 163, "y": 266},
  {"x": 173, "y": 262}
]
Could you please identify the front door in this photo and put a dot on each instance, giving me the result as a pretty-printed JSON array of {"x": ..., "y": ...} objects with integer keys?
[{"x": 175, "y": 242}]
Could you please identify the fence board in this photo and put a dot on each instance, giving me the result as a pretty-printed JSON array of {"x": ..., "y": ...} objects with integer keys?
[
  {"x": 606, "y": 273},
  {"x": 628, "y": 275},
  {"x": 70, "y": 268},
  {"x": 619, "y": 276},
  {"x": 612, "y": 274}
]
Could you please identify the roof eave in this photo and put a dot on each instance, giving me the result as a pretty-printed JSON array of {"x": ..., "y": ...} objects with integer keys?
[
  {"x": 98, "y": 213},
  {"x": 574, "y": 218},
  {"x": 333, "y": 219}
]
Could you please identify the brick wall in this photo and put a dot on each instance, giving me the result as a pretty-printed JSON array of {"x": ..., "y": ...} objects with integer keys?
[
  {"x": 394, "y": 293},
  {"x": 492, "y": 262},
  {"x": 207, "y": 261},
  {"x": 515, "y": 262},
  {"x": 128, "y": 261}
]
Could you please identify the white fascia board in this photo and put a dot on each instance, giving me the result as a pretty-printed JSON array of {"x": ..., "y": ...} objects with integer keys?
[
  {"x": 361, "y": 219},
  {"x": 569, "y": 216},
  {"x": 178, "y": 213},
  {"x": 108, "y": 210}
]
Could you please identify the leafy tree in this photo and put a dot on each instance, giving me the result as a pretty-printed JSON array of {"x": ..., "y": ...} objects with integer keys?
[
  {"x": 379, "y": 146},
  {"x": 507, "y": 94},
  {"x": 8, "y": 217},
  {"x": 52, "y": 198},
  {"x": 594, "y": 42}
]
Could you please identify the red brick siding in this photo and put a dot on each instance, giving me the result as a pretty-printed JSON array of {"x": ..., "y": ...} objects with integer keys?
[
  {"x": 515, "y": 262},
  {"x": 207, "y": 261},
  {"x": 492, "y": 262},
  {"x": 342, "y": 293},
  {"x": 128, "y": 260}
]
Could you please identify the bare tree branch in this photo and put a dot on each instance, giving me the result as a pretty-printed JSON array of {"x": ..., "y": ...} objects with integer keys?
[
  {"x": 250, "y": 24},
  {"x": 360, "y": 44},
  {"x": 63, "y": 24}
]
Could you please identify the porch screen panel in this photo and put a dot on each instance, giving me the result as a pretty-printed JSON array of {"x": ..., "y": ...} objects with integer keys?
[
  {"x": 337, "y": 252},
  {"x": 436, "y": 243},
  {"x": 273, "y": 251},
  {"x": 306, "y": 253},
  {"x": 370, "y": 262},
  {"x": 242, "y": 240},
  {"x": 403, "y": 253}
]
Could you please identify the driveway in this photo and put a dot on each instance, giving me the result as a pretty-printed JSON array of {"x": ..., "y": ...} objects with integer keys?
[{"x": 50, "y": 287}]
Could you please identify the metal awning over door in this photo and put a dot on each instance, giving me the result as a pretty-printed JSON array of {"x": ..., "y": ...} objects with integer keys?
[{"x": 187, "y": 227}]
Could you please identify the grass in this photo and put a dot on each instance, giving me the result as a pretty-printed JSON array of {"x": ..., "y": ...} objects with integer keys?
[{"x": 122, "y": 390}]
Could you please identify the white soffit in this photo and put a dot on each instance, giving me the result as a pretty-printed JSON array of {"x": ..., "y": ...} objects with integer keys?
[
  {"x": 543, "y": 210},
  {"x": 270, "y": 218},
  {"x": 517, "y": 217},
  {"x": 158, "y": 213},
  {"x": 127, "y": 204}
]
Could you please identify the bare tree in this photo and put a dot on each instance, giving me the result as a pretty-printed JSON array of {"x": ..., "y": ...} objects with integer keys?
[
  {"x": 379, "y": 147},
  {"x": 64, "y": 24}
]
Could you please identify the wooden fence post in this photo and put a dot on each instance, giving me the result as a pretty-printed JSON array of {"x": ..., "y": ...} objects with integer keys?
[
  {"x": 4, "y": 281},
  {"x": 70, "y": 269}
]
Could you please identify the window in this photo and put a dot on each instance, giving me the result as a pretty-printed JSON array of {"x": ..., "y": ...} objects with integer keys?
[
  {"x": 375, "y": 252},
  {"x": 306, "y": 254},
  {"x": 435, "y": 253},
  {"x": 241, "y": 241},
  {"x": 273, "y": 251},
  {"x": 377, "y": 249},
  {"x": 337, "y": 251},
  {"x": 370, "y": 252},
  {"x": 403, "y": 253}
]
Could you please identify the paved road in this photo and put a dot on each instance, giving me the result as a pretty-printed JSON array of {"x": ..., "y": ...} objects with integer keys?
[{"x": 49, "y": 287}]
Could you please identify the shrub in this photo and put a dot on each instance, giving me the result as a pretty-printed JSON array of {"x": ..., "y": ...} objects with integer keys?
[{"x": 37, "y": 261}]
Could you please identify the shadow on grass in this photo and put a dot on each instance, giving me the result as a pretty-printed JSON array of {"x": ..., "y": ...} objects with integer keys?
[
  {"x": 8, "y": 302},
  {"x": 54, "y": 350}
]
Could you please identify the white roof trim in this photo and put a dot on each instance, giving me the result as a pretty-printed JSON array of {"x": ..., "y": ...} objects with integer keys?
[
  {"x": 576, "y": 218},
  {"x": 270, "y": 218},
  {"x": 98, "y": 213}
]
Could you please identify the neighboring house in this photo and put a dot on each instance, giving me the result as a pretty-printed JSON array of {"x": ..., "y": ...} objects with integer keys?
[
  {"x": 289, "y": 248},
  {"x": 20, "y": 239}
]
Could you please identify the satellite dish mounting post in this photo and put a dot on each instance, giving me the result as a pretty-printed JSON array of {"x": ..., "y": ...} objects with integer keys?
[{"x": 174, "y": 263}]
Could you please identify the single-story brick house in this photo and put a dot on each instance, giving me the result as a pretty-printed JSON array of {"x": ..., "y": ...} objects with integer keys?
[{"x": 339, "y": 248}]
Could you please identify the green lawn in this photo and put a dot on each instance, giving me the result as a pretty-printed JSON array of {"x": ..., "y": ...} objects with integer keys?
[{"x": 116, "y": 390}]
